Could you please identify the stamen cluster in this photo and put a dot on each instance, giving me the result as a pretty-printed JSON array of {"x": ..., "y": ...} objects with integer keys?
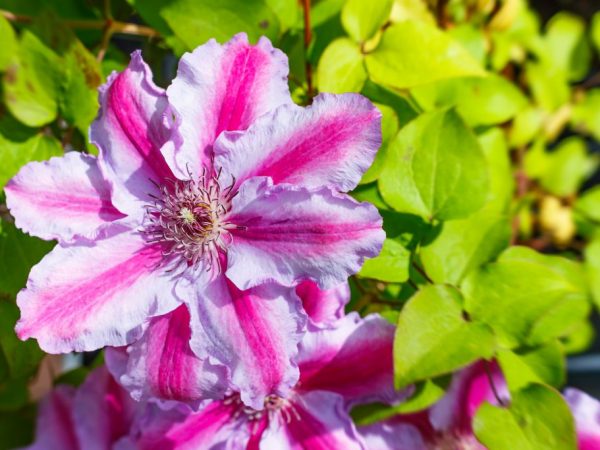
[{"x": 188, "y": 218}]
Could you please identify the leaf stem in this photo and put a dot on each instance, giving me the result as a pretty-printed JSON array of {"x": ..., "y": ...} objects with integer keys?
[
  {"x": 307, "y": 40},
  {"x": 116, "y": 26},
  {"x": 422, "y": 272}
]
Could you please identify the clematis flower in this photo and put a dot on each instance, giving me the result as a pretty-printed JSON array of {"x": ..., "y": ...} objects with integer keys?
[
  {"x": 182, "y": 206},
  {"x": 162, "y": 365},
  {"x": 447, "y": 424},
  {"x": 338, "y": 367},
  {"x": 93, "y": 417}
]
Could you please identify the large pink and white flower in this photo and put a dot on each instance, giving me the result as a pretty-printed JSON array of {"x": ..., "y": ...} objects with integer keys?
[
  {"x": 340, "y": 366},
  {"x": 448, "y": 423},
  {"x": 182, "y": 206},
  {"x": 162, "y": 365},
  {"x": 93, "y": 417}
]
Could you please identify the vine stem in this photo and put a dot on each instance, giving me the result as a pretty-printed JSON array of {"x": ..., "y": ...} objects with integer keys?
[
  {"x": 307, "y": 39},
  {"x": 116, "y": 26}
]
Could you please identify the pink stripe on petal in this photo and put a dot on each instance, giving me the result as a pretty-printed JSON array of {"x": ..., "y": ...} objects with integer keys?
[
  {"x": 586, "y": 411},
  {"x": 323, "y": 307},
  {"x": 61, "y": 198},
  {"x": 161, "y": 364},
  {"x": 87, "y": 296},
  {"x": 131, "y": 127},
  {"x": 55, "y": 428},
  {"x": 319, "y": 421},
  {"x": 355, "y": 359},
  {"x": 254, "y": 333},
  {"x": 293, "y": 233},
  {"x": 223, "y": 87},
  {"x": 330, "y": 143}
]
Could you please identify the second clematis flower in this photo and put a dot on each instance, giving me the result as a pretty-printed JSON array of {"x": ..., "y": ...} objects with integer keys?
[{"x": 218, "y": 193}]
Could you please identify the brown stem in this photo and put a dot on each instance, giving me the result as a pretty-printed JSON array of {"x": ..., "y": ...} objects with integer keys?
[
  {"x": 422, "y": 272},
  {"x": 117, "y": 27},
  {"x": 307, "y": 40},
  {"x": 107, "y": 32},
  {"x": 441, "y": 13}
]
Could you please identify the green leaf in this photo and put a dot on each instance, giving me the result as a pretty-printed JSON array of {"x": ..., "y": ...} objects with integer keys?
[
  {"x": 595, "y": 31},
  {"x": 17, "y": 428},
  {"x": 566, "y": 48},
  {"x": 502, "y": 185},
  {"x": 592, "y": 269},
  {"x": 526, "y": 126},
  {"x": 433, "y": 338},
  {"x": 289, "y": 12},
  {"x": 413, "y": 53},
  {"x": 389, "y": 129},
  {"x": 568, "y": 167},
  {"x": 362, "y": 20},
  {"x": 549, "y": 86},
  {"x": 9, "y": 46},
  {"x": 435, "y": 169},
  {"x": 537, "y": 419},
  {"x": 197, "y": 21},
  {"x": 341, "y": 68},
  {"x": 411, "y": 10},
  {"x": 586, "y": 113},
  {"x": 16, "y": 151},
  {"x": 544, "y": 365},
  {"x": 22, "y": 358},
  {"x": 526, "y": 297},
  {"x": 480, "y": 101},
  {"x": 31, "y": 82},
  {"x": 472, "y": 39},
  {"x": 390, "y": 265},
  {"x": 18, "y": 253},
  {"x": 451, "y": 255},
  {"x": 589, "y": 204}
]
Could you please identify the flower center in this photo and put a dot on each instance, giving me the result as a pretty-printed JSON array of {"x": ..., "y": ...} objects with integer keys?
[
  {"x": 274, "y": 406},
  {"x": 189, "y": 218}
]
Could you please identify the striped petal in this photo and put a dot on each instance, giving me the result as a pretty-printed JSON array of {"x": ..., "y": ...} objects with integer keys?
[
  {"x": 586, "y": 411},
  {"x": 255, "y": 333},
  {"x": 223, "y": 87},
  {"x": 293, "y": 233},
  {"x": 61, "y": 198},
  {"x": 83, "y": 297},
  {"x": 161, "y": 364},
  {"x": 323, "y": 306},
  {"x": 330, "y": 143},
  {"x": 354, "y": 359},
  {"x": 132, "y": 125}
]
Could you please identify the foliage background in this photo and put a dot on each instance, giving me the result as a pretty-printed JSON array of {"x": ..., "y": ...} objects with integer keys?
[{"x": 486, "y": 177}]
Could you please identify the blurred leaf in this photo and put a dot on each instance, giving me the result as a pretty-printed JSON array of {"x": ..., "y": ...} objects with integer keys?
[
  {"x": 464, "y": 245},
  {"x": 9, "y": 46},
  {"x": 389, "y": 129},
  {"x": 18, "y": 253},
  {"x": 433, "y": 338},
  {"x": 595, "y": 31},
  {"x": 538, "y": 418},
  {"x": 405, "y": 108},
  {"x": 361, "y": 19},
  {"x": 526, "y": 126},
  {"x": 197, "y": 21},
  {"x": 16, "y": 153},
  {"x": 31, "y": 83},
  {"x": 544, "y": 364},
  {"x": 472, "y": 39},
  {"x": 548, "y": 85},
  {"x": 566, "y": 47},
  {"x": 579, "y": 338},
  {"x": 390, "y": 265},
  {"x": 480, "y": 101},
  {"x": 526, "y": 297},
  {"x": 17, "y": 427},
  {"x": 502, "y": 184},
  {"x": 411, "y": 10},
  {"x": 586, "y": 114},
  {"x": 435, "y": 169},
  {"x": 568, "y": 167},
  {"x": 341, "y": 68},
  {"x": 592, "y": 268},
  {"x": 324, "y": 10},
  {"x": 289, "y": 12},
  {"x": 413, "y": 53}
]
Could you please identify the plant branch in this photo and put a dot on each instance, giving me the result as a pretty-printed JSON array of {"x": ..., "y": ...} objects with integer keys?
[
  {"x": 422, "y": 272},
  {"x": 307, "y": 40},
  {"x": 116, "y": 26}
]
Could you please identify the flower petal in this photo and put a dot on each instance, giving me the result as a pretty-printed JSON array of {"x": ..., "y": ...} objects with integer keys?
[
  {"x": 255, "y": 333},
  {"x": 315, "y": 421},
  {"x": 131, "y": 127},
  {"x": 223, "y": 87},
  {"x": 161, "y": 364},
  {"x": 586, "y": 411},
  {"x": 83, "y": 297},
  {"x": 292, "y": 234},
  {"x": 61, "y": 198},
  {"x": 214, "y": 427},
  {"x": 330, "y": 143},
  {"x": 355, "y": 359},
  {"x": 389, "y": 435},
  {"x": 102, "y": 410},
  {"x": 469, "y": 389},
  {"x": 55, "y": 429},
  {"x": 323, "y": 306}
]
